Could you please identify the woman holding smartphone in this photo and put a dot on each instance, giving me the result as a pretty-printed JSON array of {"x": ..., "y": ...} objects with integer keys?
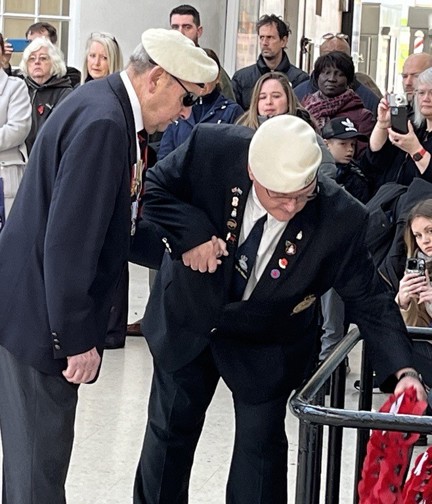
[
  {"x": 415, "y": 290},
  {"x": 414, "y": 296},
  {"x": 398, "y": 157}
]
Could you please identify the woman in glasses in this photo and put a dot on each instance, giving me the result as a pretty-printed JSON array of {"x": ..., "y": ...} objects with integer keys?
[
  {"x": 211, "y": 107},
  {"x": 334, "y": 73},
  {"x": 102, "y": 57},
  {"x": 399, "y": 157},
  {"x": 44, "y": 72},
  {"x": 15, "y": 121}
]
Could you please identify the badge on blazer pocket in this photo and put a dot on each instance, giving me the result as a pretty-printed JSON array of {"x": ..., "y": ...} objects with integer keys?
[{"x": 304, "y": 305}]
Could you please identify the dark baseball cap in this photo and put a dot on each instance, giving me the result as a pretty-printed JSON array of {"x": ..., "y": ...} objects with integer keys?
[{"x": 342, "y": 127}]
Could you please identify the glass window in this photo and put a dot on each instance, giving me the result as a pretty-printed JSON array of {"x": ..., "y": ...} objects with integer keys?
[
  {"x": 14, "y": 25},
  {"x": 50, "y": 7},
  {"x": 247, "y": 40},
  {"x": 19, "y": 6}
]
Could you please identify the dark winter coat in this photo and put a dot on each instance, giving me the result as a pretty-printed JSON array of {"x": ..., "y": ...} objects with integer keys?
[{"x": 43, "y": 98}]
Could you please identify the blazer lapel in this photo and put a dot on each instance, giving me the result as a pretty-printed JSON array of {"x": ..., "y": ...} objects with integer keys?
[
  {"x": 235, "y": 204},
  {"x": 288, "y": 252},
  {"x": 119, "y": 89}
]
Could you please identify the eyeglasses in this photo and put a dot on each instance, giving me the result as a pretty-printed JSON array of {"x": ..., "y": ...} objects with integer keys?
[
  {"x": 329, "y": 36},
  {"x": 103, "y": 35},
  {"x": 422, "y": 93},
  {"x": 189, "y": 98},
  {"x": 297, "y": 199},
  {"x": 43, "y": 58}
]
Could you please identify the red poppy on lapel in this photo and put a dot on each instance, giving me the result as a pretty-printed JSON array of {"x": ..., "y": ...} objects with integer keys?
[{"x": 41, "y": 109}]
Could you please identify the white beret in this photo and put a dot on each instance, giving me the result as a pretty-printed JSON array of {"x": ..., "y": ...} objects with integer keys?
[
  {"x": 179, "y": 56},
  {"x": 284, "y": 155}
]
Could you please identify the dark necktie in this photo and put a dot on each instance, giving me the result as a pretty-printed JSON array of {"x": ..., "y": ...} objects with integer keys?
[{"x": 245, "y": 259}]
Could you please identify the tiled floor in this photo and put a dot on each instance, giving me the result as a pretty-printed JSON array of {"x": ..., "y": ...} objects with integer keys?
[{"x": 112, "y": 414}]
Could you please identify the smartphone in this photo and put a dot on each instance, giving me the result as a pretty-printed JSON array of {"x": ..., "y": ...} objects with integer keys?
[
  {"x": 18, "y": 44},
  {"x": 398, "y": 103},
  {"x": 415, "y": 265}
]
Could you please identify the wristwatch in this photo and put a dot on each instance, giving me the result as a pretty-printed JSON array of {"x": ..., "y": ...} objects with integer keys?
[
  {"x": 418, "y": 156},
  {"x": 413, "y": 374}
]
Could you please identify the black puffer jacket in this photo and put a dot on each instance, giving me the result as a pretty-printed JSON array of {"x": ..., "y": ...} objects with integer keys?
[
  {"x": 244, "y": 79},
  {"x": 43, "y": 98}
]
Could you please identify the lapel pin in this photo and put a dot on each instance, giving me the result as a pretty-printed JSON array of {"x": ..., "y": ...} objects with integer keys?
[
  {"x": 237, "y": 190},
  {"x": 231, "y": 224},
  {"x": 290, "y": 248},
  {"x": 235, "y": 201},
  {"x": 299, "y": 235},
  {"x": 234, "y": 212},
  {"x": 275, "y": 273},
  {"x": 283, "y": 263}
]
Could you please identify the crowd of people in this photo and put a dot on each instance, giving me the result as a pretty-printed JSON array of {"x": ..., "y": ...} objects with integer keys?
[{"x": 253, "y": 175}]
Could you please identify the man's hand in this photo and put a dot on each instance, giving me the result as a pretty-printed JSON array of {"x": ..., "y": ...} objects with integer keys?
[
  {"x": 206, "y": 257},
  {"x": 82, "y": 368},
  {"x": 410, "y": 381}
]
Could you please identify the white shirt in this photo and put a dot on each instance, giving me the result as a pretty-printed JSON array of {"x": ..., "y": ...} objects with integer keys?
[
  {"x": 136, "y": 107},
  {"x": 272, "y": 233}
]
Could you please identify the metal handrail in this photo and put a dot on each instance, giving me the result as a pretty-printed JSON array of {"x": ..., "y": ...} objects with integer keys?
[
  {"x": 307, "y": 405},
  {"x": 302, "y": 407}
]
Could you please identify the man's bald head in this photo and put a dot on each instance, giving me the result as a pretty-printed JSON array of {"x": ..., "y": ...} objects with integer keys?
[
  {"x": 413, "y": 66},
  {"x": 335, "y": 44}
]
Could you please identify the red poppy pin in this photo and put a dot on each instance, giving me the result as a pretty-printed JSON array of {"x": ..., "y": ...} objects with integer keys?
[{"x": 41, "y": 109}]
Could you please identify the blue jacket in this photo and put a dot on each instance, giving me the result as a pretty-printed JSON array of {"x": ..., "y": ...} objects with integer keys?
[{"x": 212, "y": 108}]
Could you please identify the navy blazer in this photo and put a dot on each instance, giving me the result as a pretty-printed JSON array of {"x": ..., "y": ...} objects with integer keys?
[
  {"x": 272, "y": 334},
  {"x": 67, "y": 236}
]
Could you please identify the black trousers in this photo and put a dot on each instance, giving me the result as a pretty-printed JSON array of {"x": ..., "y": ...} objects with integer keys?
[
  {"x": 177, "y": 406},
  {"x": 37, "y": 415}
]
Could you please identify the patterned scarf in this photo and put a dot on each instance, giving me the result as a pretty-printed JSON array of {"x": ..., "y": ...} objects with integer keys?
[{"x": 323, "y": 108}]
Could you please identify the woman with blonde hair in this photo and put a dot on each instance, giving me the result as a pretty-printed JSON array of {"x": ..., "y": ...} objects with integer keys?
[
  {"x": 103, "y": 57},
  {"x": 272, "y": 95}
]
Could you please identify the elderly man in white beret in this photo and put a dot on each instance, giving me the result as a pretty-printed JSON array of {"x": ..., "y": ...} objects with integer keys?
[
  {"x": 254, "y": 236},
  {"x": 65, "y": 245}
]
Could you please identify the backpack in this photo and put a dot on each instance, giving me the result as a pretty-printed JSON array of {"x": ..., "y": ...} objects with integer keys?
[{"x": 388, "y": 211}]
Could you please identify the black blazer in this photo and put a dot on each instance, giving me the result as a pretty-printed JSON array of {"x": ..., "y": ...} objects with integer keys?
[
  {"x": 67, "y": 236},
  {"x": 190, "y": 194}
]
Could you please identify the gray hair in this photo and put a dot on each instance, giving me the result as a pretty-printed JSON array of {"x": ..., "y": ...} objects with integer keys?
[
  {"x": 424, "y": 78},
  {"x": 58, "y": 66},
  {"x": 112, "y": 49},
  {"x": 140, "y": 61}
]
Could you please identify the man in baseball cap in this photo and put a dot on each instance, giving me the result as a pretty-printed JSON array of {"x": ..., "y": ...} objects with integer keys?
[
  {"x": 65, "y": 245},
  {"x": 254, "y": 236}
]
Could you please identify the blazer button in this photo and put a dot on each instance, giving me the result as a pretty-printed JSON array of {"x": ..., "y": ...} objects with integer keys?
[
  {"x": 57, "y": 346},
  {"x": 214, "y": 330}
]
